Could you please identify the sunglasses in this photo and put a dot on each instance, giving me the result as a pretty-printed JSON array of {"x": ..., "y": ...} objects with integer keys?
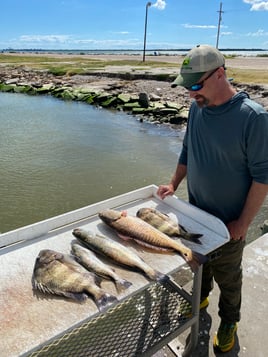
[{"x": 198, "y": 86}]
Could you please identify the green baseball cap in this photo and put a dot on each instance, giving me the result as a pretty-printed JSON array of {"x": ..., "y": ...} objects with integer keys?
[{"x": 201, "y": 59}]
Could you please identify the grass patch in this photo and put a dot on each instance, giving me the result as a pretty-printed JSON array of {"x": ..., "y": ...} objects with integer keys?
[
  {"x": 44, "y": 61},
  {"x": 253, "y": 76}
]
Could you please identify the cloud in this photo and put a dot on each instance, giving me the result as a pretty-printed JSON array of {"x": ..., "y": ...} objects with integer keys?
[
  {"x": 121, "y": 33},
  {"x": 45, "y": 38},
  {"x": 257, "y": 5},
  {"x": 226, "y": 33},
  {"x": 189, "y": 26},
  {"x": 160, "y": 4},
  {"x": 259, "y": 33}
]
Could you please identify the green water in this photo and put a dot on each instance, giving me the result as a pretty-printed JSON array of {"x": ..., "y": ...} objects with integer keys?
[{"x": 59, "y": 156}]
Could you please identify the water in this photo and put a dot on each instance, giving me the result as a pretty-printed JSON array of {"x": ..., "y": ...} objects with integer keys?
[{"x": 58, "y": 156}]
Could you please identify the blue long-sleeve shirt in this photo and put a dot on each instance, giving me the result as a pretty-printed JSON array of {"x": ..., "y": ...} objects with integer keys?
[{"x": 225, "y": 148}]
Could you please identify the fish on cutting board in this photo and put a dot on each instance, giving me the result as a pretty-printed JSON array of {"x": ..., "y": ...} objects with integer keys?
[
  {"x": 59, "y": 274},
  {"x": 131, "y": 227},
  {"x": 166, "y": 225},
  {"x": 117, "y": 252},
  {"x": 91, "y": 262}
]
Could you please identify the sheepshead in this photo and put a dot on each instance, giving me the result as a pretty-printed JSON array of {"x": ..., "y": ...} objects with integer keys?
[
  {"x": 89, "y": 260},
  {"x": 130, "y": 227},
  {"x": 117, "y": 252},
  {"x": 166, "y": 225},
  {"x": 59, "y": 274}
]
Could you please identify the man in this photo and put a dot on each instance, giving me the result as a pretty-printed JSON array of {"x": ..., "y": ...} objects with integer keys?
[{"x": 225, "y": 159}]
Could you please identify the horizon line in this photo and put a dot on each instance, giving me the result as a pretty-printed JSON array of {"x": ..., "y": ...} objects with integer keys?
[{"x": 127, "y": 49}]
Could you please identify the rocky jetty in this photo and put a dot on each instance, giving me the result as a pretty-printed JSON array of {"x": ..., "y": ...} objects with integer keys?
[{"x": 146, "y": 96}]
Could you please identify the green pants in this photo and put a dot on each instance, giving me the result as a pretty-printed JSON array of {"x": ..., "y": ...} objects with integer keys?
[{"x": 226, "y": 270}]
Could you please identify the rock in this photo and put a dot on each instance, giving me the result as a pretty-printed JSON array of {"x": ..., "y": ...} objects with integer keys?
[
  {"x": 109, "y": 102},
  {"x": 7, "y": 87},
  {"x": 67, "y": 95},
  {"x": 124, "y": 98},
  {"x": 177, "y": 119},
  {"x": 130, "y": 106},
  {"x": 157, "y": 105},
  {"x": 37, "y": 85},
  {"x": 46, "y": 88},
  {"x": 23, "y": 89},
  {"x": 12, "y": 81},
  {"x": 144, "y": 100},
  {"x": 174, "y": 105},
  {"x": 102, "y": 97},
  {"x": 183, "y": 114},
  {"x": 167, "y": 111},
  {"x": 139, "y": 110},
  {"x": 154, "y": 97}
]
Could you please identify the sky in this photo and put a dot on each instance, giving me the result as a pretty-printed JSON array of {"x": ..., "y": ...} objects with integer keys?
[{"x": 120, "y": 24}]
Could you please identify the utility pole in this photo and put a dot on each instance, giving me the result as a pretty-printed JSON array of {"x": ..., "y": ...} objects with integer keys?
[
  {"x": 145, "y": 30},
  {"x": 219, "y": 24}
]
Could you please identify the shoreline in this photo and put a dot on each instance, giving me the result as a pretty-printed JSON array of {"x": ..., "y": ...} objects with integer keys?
[{"x": 102, "y": 86}]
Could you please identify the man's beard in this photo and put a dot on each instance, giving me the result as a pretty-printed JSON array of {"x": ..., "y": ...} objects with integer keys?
[{"x": 201, "y": 101}]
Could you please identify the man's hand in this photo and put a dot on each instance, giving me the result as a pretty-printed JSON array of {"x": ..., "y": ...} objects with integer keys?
[
  {"x": 237, "y": 230},
  {"x": 165, "y": 190}
]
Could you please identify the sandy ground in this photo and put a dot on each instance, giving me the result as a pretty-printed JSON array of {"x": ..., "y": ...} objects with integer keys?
[
  {"x": 246, "y": 62},
  {"x": 236, "y": 62}
]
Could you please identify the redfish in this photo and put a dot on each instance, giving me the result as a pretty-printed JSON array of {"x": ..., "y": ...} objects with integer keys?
[{"x": 130, "y": 227}]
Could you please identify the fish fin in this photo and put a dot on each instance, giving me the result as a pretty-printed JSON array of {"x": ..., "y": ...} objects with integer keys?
[
  {"x": 122, "y": 285},
  {"x": 150, "y": 246},
  {"x": 182, "y": 228},
  {"x": 105, "y": 300},
  {"x": 196, "y": 260},
  {"x": 75, "y": 296},
  {"x": 98, "y": 279},
  {"x": 122, "y": 236}
]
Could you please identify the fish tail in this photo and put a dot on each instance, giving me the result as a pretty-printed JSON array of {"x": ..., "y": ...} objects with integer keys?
[
  {"x": 194, "y": 237},
  {"x": 157, "y": 276},
  {"x": 190, "y": 236},
  {"x": 161, "y": 277},
  {"x": 105, "y": 300},
  {"x": 197, "y": 260},
  {"x": 122, "y": 284}
]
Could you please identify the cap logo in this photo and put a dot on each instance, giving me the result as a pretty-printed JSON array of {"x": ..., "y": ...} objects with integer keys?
[{"x": 186, "y": 61}]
